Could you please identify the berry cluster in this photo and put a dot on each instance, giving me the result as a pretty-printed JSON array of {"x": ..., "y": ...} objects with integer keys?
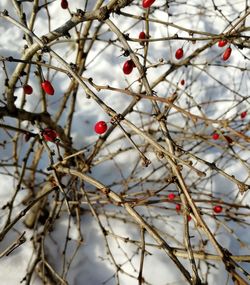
[{"x": 227, "y": 52}]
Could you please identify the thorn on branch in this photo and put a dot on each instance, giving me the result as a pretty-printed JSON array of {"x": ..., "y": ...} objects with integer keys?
[
  {"x": 5, "y": 13},
  {"x": 116, "y": 119},
  {"x": 126, "y": 36},
  {"x": 126, "y": 53},
  {"x": 146, "y": 162},
  {"x": 242, "y": 187},
  {"x": 23, "y": 73},
  {"x": 80, "y": 14},
  {"x": 105, "y": 191},
  {"x": 160, "y": 154},
  {"x": 45, "y": 49},
  {"x": 7, "y": 205},
  {"x": 6, "y": 82},
  {"x": 212, "y": 165},
  {"x": 73, "y": 66},
  {"x": 67, "y": 35},
  {"x": 44, "y": 39}
]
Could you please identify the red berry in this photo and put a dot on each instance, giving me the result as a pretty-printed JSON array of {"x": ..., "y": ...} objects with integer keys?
[
  {"x": 222, "y": 43},
  {"x": 128, "y": 66},
  {"x": 64, "y": 4},
  {"x": 27, "y": 89},
  {"x": 216, "y": 136},
  {"x": 171, "y": 196},
  {"x": 100, "y": 127},
  {"x": 142, "y": 36},
  {"x": 227, "y": 54},
  {"x": 178, "y": 207},
  {"x": 189, "y": 218},
  {"x": 229, "y": 140},
  {"x": 182, "y": 82},
  {"x": 217, "y": 209},
  {"x": 49, "y": 135},
  {"x": 48, "y": 88},
  {"x": 243, "y": 114},
  {"x": 147, "y": 3},
  {"x": 179, "y": 53}
]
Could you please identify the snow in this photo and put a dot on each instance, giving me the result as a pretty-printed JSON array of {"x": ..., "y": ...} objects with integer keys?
[{"x": 211, "y": 90}]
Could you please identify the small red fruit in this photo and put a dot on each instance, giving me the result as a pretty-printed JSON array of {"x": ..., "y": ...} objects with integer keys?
[
  {"x": 179, "y": 53},
  {"x": 217, "y": 209},
  {"x": 49, "y": 135},
  {"x": 47, "y": 87},
  {"x": 243, "y": 114},
  {"x": 182, "y": 82},
  {"x": 128, "y": 66},
  {"x": 27, "y": 89},
  {"x": 142, "y": 36},
  {"x": 189, "y": 218},
  {"x": 100, "y": 127},
  {"x": 227, "y": 54},
  {"x": 64, "y": 4},
  {"x": 222, "y": 43},
  {"x": 178, "y": 207},
  {"x": 171, "y": 196},
  {"x": 147, "y": 3},
  {"x": 216, "y": 136}
]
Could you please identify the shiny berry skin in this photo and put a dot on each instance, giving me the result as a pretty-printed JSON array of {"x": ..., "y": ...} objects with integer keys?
[
  {"x": 227, "y": 54},
  {"x": 142, "y": 36},
  {"x": 217, "y": 209},
  {"x": 243, "y": 114},
  {"x": 49, "y": 135},
  {"x": 171, "y": 196},
  {"x": 179, "y": 53},
  {"x": 64, "y": 4},
  {"x": 147, "y": 3},
  {"x": 100, "y": 127},
  {"x": 128, "y": 66},
  {"x": 47, "y": 87},
  {"x": 222, "y": 43},
  {"x": 216, "y": 136},
  {"x": 27, "y": 89},
  {"x": 178, "y": 207},
  {"x": 182, "y": 82}
]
